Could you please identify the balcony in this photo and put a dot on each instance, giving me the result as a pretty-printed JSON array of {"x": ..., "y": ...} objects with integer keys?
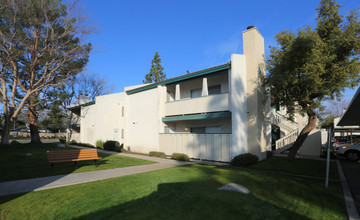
[{"x": 211, "y": 103}]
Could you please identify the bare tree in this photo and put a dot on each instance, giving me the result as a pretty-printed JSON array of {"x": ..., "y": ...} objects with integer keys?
[
  {"x": 92, "y": 85},
  {"x": 337, "y": 107},
  {"x": 40, "y": 47}
]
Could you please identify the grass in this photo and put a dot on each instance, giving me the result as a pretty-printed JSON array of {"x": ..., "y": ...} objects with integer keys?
[
  {"x": 316, "y": 168},
  {"x": 186, "y": 192},
  {"x": 15, "y": 166}
]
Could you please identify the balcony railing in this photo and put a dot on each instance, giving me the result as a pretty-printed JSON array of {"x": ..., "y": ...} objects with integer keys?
[{"x": 211, "y": 103}]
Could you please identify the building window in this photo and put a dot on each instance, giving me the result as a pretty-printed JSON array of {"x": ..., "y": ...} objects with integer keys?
[
  {"x": 122, "y": 133},
  {"x": 199, "y": 130},
  {"x": 213, "y": 130},
  {"x": 122, "y": 111},
  {"x": 215, "y": 90},
  {"x": 206, "y": 130},
  {"x": 195, "y": 93}
]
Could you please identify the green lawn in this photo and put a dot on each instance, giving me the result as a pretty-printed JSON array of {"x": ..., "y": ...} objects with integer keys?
[
  {"x": 186, "y": 192},
  {"x": 15, "y": 166},
  {"x": 315, "y": 168}
]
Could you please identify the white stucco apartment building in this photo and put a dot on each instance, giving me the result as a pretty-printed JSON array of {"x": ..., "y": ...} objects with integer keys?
[{"x": 214, "y": 114}]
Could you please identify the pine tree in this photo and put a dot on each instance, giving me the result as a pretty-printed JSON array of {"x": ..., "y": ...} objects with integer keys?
[{"x": 156, "y": 73}]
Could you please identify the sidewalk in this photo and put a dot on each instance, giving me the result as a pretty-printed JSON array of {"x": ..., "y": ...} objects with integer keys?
[{"x": 36, "y": 184}]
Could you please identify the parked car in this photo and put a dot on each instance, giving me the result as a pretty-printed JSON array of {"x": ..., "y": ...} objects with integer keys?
[
  {"x": 350, "y": 151},
  {"x": 338, "y": 144}
]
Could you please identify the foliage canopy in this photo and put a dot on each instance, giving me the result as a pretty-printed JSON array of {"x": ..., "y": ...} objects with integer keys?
[
  {"x": 156, "y": 73},
  {"x": 315, "y": 64}
]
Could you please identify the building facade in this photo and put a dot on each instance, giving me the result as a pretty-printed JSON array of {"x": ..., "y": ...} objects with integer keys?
[{"x": 213, "y": 114}]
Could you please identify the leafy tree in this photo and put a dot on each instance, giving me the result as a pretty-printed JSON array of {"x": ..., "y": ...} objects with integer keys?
[
  {"x": 156, "y": 73},
  {"x": 59, "y": 99},
  {"x": 315, "y": 64},
  {"x": 55, "y": 120},
  {"x": 328, "y": 121},
  {"x": 40, "y": 47}
]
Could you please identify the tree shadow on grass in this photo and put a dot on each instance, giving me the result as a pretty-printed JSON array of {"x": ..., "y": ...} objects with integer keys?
[
  {"x": 194, "y": 200},
  {"x": 26, "y": 161},
  {"x": 280, "y": 189},
  {"x": 25, "y": 168}
]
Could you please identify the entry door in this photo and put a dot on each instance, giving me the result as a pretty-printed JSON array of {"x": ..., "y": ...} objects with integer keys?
[{"x": 116, "y": 135}]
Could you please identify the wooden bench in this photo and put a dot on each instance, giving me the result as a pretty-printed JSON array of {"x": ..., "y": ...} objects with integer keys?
[{"x": 58, "y": 156}]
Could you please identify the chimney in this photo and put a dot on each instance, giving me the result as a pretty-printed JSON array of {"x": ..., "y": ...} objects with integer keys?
[{"x": 83, "y": 99}]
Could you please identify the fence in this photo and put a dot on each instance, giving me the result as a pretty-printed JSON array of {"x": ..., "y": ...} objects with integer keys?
[{"x": 215, "y": 147}]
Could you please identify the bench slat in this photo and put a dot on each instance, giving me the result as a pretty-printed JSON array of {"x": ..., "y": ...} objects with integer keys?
[{"x": 72, "y": 155}]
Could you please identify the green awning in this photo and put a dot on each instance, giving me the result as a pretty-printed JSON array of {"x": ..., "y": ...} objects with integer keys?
[
  {"x": 197, "y": 116},
  {"x": 78, "y": 107}
]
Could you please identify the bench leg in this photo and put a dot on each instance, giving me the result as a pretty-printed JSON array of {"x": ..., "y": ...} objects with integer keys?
[
  {"x": 75, "y": 163},
  {"x": 95, "y": 163},
  {"x": 52, "y": 165}
]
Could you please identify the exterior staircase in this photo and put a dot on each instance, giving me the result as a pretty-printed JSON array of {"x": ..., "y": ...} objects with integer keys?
[
  {"x": 286, "y": 142},
  {"x": 291, "y": 128}
]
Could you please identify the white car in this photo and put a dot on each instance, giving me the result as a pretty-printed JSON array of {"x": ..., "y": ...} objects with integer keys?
[{"x": 350, "y": 151}]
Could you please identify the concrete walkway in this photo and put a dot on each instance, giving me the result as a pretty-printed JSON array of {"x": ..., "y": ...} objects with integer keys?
[{"x": 35, "y": 184}]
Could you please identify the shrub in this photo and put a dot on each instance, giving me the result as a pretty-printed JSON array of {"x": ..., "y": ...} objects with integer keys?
[
  {"x": 157, "y": 154},
  {"x": 120, "y": 148},
  {"x": 323, "y": 153},
  {"x": 180, "y": 156},
  {"x": 15, "y": 142},
  {"x": 269, "y": 154},
  {"x": 62, "y": 140},
  {"x": 85, "y": 145},
  {"x": 244, "y": 160},
  {"x": 72, "y": 142},
  {"x": 111, "y": 145},
  {"x": 99, "y": 144}
]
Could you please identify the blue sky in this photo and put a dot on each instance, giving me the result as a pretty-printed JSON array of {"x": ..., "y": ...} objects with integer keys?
[{"x": 189, "y": 35}]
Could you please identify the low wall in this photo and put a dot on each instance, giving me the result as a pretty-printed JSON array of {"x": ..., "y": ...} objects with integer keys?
[
  {"x": 42, "y": 134},
  {"x": 215, "y": 147}
]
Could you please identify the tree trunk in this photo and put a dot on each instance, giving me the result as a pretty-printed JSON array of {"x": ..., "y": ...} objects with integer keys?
[
  {"x": 5, "y": 136},
  {"x": 34, "y": 129},
  {"x": 303, "y": 135}
]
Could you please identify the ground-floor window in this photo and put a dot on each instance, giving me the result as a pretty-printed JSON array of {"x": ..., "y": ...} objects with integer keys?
[{"x": 206, "y": 130}]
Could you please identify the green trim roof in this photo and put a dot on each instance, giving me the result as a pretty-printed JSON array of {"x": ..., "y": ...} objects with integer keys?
[
  {"x": 81, "y": 105},
  {"x": 197, "y": 116},
  {"x": 181, "y": 78}
]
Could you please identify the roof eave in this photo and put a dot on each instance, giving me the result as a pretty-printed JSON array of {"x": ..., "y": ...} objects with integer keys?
[{"x": 181, "y": 78}]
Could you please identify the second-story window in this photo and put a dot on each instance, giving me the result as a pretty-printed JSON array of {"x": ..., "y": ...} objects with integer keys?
[
  {"x": 195, "y": 93},
  {"x": 215, "y": 90}
]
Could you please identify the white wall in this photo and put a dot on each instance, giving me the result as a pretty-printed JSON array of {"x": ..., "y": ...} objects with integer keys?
[
  {"x": 144, "y": 119},
  {"x": 109, "y": 120},
  {"x": 87, "y": 124},
  {"x": 238, "y": 105},
  {"x": 312, "y": 144},
  {"x": 258, "y": 135}
]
